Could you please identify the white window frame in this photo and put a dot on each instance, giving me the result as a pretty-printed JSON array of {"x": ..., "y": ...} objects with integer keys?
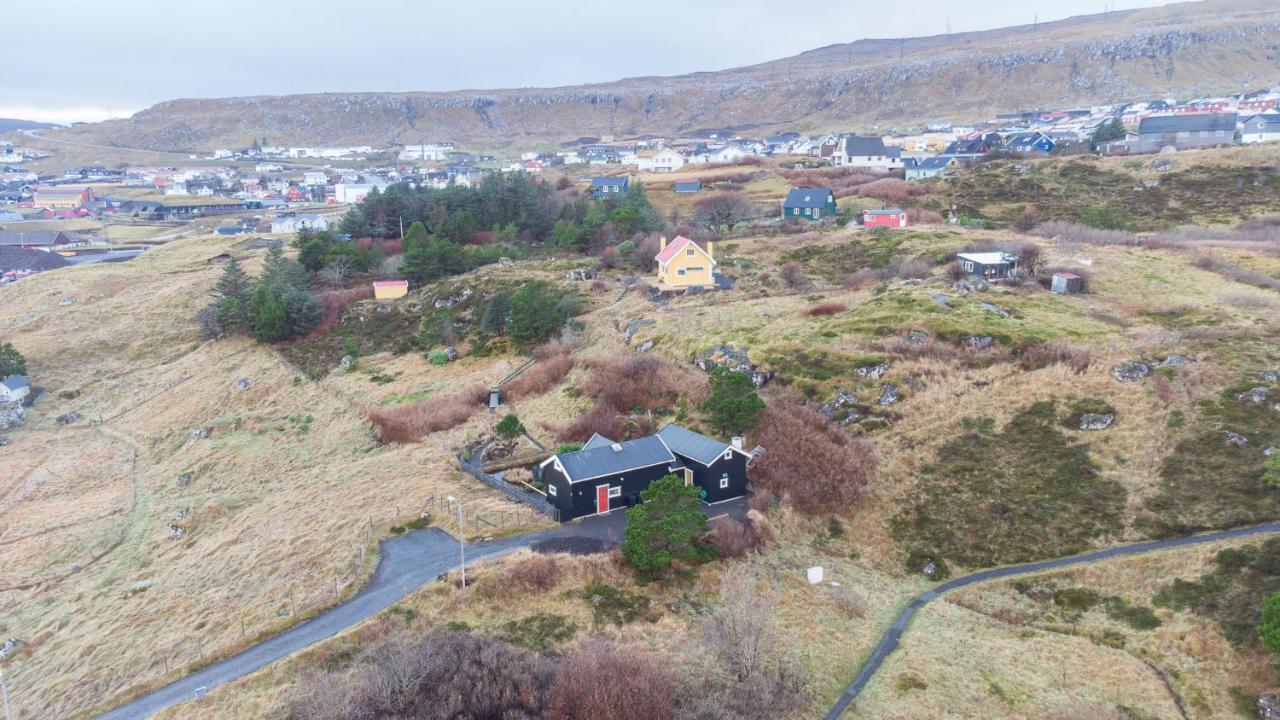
[
  {"x": 615, "y": 492},
  {"x": 724, "y": 481},
  {"x": 551, "y": 490},
  {"x": 728, "y": 454}
]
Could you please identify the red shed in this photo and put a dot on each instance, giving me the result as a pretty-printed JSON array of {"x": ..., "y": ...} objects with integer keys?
[{"x": 884, "y": 218}]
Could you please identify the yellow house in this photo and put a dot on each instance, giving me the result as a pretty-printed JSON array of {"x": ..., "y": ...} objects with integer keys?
[
  {"x": 390, "y": 289},
  {"x": 682, "y": 264}
]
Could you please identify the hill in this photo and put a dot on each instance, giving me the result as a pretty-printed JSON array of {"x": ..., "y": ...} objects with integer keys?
[
  {"x": 13, "y": 125},
  {"x": 1180, "y": 50}
]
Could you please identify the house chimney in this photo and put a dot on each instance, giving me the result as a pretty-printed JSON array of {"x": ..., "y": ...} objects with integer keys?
[
  {"x": 662, "y": 243},
  {"x": 737, "y": 441},
  {"x": 711, "y": 249}
]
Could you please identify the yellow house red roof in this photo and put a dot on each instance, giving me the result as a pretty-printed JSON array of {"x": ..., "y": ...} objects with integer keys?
[{"x": 673, "y": 249}]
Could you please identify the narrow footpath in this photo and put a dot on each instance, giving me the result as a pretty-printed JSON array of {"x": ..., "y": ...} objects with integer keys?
[{"x": 889, "y": 641}]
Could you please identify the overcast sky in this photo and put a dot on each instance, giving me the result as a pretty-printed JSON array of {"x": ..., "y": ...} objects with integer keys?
[{"x": 92, "y": 59}]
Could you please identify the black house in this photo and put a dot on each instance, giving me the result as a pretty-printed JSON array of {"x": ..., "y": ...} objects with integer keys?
[{"x": 605, "y": 475}]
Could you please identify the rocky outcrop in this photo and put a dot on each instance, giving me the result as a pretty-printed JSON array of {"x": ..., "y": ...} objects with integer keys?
[
  {"x": 1235, "y": 439},
  {"x": 889, "y": 394},
  {"x": 1269, "y": 706},
  {"x": 12, "y": 415},
  {"x": 67, "y": 418},
  {"x": 872, "y": 372},
  {"x": 843, "y": 408},
  {"x": 1131, "y": 372},
  {"x": 1257, "y": 395},
  {"x": 636, "y": 326},
  {"x": 733, "y": 358},
  {"x": 1096, "y": 421}
]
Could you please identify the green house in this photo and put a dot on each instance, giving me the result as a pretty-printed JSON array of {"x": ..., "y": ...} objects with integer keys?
[{"x": 809, "y": 203}]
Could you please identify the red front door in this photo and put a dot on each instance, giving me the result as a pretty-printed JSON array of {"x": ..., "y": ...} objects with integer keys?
[{"x": 602, "y": 498}]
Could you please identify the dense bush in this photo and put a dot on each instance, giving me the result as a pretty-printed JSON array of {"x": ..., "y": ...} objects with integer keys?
[
  {"x": 638, "y": 686},
  {"x": 666, "y": 530},
  {"x": 1232, "y": 592},
  {"x": 1056, "y": 352},
  {"x": 815, "y": 465},
  {"x": 829, "y": 308},
  {"x": 408, "y": 423},
  {"x": 624, "y": 388},
  {"x": 555, "y": 362}
]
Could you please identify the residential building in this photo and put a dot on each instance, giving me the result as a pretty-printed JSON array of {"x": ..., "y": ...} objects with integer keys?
[
  {"x": 1260, "y": 129},
  {"x": 990, "y": 265},
  {"x": 809, "y": 203},
  {"x": 664, "y": 160},
  {"x": 14, "y": 388},
  {"x": 727, "y": 155},
  {"x": 926, "y": 168},
  {"x": 1029, "y": 142},
  {"x": 315, "y": 177},
  {"x": 888, "y": 218},
  {"x": 54, "y": 197},
  {"x": 1183, "y": 132},
  {"x": 609, "y": 187},
  {"x": 683, "y": 265},
  {"x": 291, "y": 224},
  {"x": 351, "y": 193},
  {"x": 868, "y": 153},
  {"x": 36, "y": 238},
  {"x": 606, "y": 475},
  {"x": 686, "y": 186}
]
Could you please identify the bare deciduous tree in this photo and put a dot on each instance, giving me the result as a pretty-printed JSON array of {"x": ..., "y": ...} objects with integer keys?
[{"x": 740, "y": 630}]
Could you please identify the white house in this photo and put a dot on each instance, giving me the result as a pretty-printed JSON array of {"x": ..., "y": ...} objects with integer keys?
[
  {"x": 351, "y": 193},
  {"x": 291, "y": 224},
  {"x": 727, "y": 155},
  {"x": 1260, "y": 129},
  {"x": 866, "y": 152},
  {"x": 315, "y": 177},
  {"x": 433, "y": 152},
  {"x": 14, "y": 388},
  {"x": 664, "y": 160}
]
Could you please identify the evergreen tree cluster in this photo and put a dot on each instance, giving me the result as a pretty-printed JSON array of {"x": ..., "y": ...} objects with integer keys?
[
  {"x": 317, "y": 250},
  {"x": 276, "y": 306}
]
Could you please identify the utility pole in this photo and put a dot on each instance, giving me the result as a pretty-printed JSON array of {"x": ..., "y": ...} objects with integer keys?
[{"x": 462, "y": 541}]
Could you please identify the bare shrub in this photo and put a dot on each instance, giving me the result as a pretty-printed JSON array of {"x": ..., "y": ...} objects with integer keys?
[
  {"x": 723, "y": 210},
  {"x": 916, "y": 268},
  {"x": 793, "y": 275},
  {"x": 324, "y": 696},
  {"x": 537, "y": 574},
  {"x": 1248, "y": 300},
  {"x": 956, "y": 272},
  {"x": 626, "y": 389},
  {"x": 639, "y": 687},
  {"x": 862, "y": 279},
  {"x": 1027, "y": 221},
  {"x": 1069, "y": 232},
  {"x": 609, "y": 256},
  {"x": 556, "y": 362},
  {"x": 808, "y": 461},
  {"x": 892, "y": 190},
  {"x": 1058, "y": 352},
  {"x": 599, "y": 285},
  {"x": 1163, "y": 389},
  {"x": 920, "y": 216},
  {"x": 408, "y": 423},
  {"x": 1032, "y": 259},
  {"x": 646, "y": 251},
  {"x": 334, "y": 302},
  {"x": 830, "y": 308},
  {"x": 735, "y": 538}
]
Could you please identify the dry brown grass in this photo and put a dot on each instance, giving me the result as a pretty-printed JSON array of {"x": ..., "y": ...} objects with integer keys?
[
  {"x": 409, "y": 423},
  {"x": 556, "y": 360},
  {"x": 823, "y": 309}
]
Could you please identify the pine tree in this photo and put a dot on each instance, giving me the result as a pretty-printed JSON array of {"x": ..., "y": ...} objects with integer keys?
[
  {"x": 234, "y": 283},
  {"x": 535, "y": 314},
  {"x": 509, "y": 427},
  {"x": 302, "y": 311},
  {"x": 232, "y": 293},
  {"x": 494, "y": 320},
  {"x": 733, "y": 405},
  {"x": 666, "y": 528},
  {"x": 269, "y": 321},
  {"x": 280, "y": 273},
  {"x": 11, "y": 361}
]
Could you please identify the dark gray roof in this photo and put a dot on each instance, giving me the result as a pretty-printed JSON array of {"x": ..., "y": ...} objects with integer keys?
[
  {"x": 861, "y": 146},
  {"x": 615, "y": 458},
  {"x": 15, "y": 382},
  {"x": 1269, "y": 122},
  {"x": 597, "y": 440},
  {"x": 933, "y": 163},
  {"x": 34, "y": 237},
  {"x": 808, "y": 197},
  {"x": 692, "y": 445},
  {"x": 1207, "y": 122}
]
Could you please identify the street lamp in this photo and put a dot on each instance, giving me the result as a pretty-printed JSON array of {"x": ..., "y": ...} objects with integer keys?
[{"x": 462, "y": 543}]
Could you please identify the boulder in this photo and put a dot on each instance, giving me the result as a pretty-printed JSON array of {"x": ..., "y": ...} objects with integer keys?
[
  {"x": 916, "y": 338},
  {"x": 872, "y": 372},
  {"x": 995, "y": 309},
  {"x": 1270, "y": 376},
  {"x": 1129, "y": 372},
  {"x": 67, "y": 301},
  {"x": 1096, "y": 421},
  {"x": 140, "y": 586},
  {"x": 451, "y": 353},
  {"x": 176, "y": 532},
  {"x": 1269, "y": 706},
  {"x": 1269, "y": 452},
  {"x": 1175, "y": 361},
  {"x": 67, "y": 418},
  {"x": 842, "y": 408},
  {"x": 1235, "y": 439},
  {"x": 942, "y": 299},
  {"x": 1257, "y": 395},
  {"x": 198, "y": 433},
  {"x": 634, "y": 327},
  {"x": 645, "y": 346},
  {"x": 346, "y": 362},
  {"x": 585, "y": 273},
  {"x": 457, "y": 294},
  {"x": 973, "y": 283},
  {"x": 12, "y": 415},
  {"x": 184, "y": 479},
  {"x": 733, "y": 358},
  {"x": 9, "y": 646},
  {"x": 980, "y": 342},
  {"x": 243, "y": 383},
  {"x": 888, "y": 394}
]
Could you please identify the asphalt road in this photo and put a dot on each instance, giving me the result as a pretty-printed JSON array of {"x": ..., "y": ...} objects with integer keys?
[
  {"x": 889, "y": 641},
  {"x": 406, "y": 562}
]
